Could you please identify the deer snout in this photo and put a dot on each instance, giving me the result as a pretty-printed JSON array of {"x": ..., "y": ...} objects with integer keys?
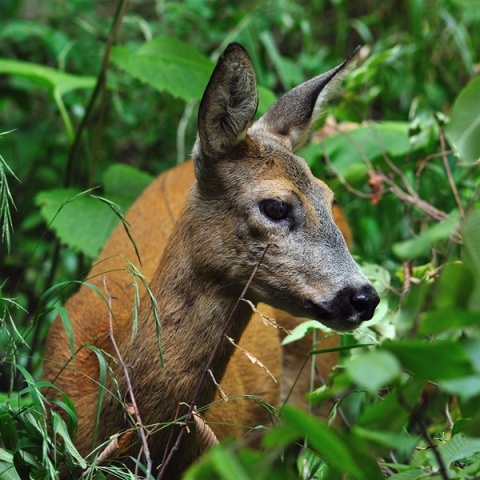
[
  {"x": 350, "y": 307},
  {"x": 364, "y": 302}
]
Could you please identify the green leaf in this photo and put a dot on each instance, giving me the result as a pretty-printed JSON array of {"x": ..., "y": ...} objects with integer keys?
[
  {"x": 347, "y": 150},
  {"x": 55, "y": 80},
  {"x": 458, "y": 447},
  {"x": 463, "y": 130},
  {"x": 302, "y": 330},
  {"x": 228, "y": 465},
  {"x": 60, "y": 428},
  {"x": 341, "y": 455},
  {"x": 414, "y": 474},
  {"x": 7, "y": 469},
  {"x": 402, "y": 441},
  {"x": 421, "y": 245},
  {"x": 82, "y": 222},
  {"x": 471, "y": 246},
  {"x": 442, "y": 360},
  {"x": 466, "y": 387},
  {"x": 372, "y": 370},
  {"x": 434, "y": 322},
  {"x": 123, "y": 180},
  {"x": 391, "y": 413},
  {"x": 168, "y": 65}
]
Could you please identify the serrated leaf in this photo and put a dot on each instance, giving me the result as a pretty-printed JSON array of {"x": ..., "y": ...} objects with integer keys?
[
  {"x": 458, "y": 447},
  {"x": 169, "y": 65},
  {"x": 48, "y": 77},
  {"x": 463, "y": 130}
]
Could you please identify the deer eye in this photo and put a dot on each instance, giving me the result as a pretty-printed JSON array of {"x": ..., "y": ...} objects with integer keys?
[{"x": 274, "y": 209}]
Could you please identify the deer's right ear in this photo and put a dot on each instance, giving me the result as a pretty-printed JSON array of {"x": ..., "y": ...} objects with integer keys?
[{"x": 227, "y": 107}]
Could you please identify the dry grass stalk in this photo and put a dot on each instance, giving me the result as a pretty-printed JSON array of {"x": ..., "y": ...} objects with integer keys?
[{"x": 251, "y": 357}]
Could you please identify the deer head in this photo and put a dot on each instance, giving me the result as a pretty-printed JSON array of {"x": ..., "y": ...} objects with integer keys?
[{"x": 253, "y": 191}]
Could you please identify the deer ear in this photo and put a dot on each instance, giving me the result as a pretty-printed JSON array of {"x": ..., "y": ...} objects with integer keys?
[
  {"x": 227, "y": 107},
  {"x": 294, "y": 114}
]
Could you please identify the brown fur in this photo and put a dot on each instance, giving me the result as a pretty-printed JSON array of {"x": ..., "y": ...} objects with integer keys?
[{"x": 198, "y": 261}]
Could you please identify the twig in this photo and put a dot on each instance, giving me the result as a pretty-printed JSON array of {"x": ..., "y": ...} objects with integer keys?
[
  {"x": 451, "y": 181},
  {"x": 423, "y": 430},
  {"x": 211, "y": 359},
  {"x": 142, "y": 429}
]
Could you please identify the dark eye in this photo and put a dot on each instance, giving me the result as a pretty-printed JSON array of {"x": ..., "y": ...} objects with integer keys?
[{"x": 274, "y": 209}]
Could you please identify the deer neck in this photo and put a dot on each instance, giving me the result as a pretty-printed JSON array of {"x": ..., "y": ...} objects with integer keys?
[{"x": 193, "y": 310}]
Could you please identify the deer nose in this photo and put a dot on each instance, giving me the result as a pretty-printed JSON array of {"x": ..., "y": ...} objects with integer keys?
[{"x": 364, "y": 302}]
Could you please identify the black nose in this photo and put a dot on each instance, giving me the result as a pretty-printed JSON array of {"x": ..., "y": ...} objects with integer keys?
[{"x": 364, "y": 302}]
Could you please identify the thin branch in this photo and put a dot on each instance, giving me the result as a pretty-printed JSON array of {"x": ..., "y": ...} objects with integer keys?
[
  {"x": 451, "y": 181},
  {"x": 423, "y": 430},
  {"x": 208, "y": 367},
  {"x": 342, "y": 179},
  {"x": 136, "y": 412}
]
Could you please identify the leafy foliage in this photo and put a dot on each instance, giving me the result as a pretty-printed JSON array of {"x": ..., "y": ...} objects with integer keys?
[{"x": 88, "y": 138}]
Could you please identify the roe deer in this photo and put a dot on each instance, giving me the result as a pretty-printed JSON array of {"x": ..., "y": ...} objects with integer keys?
[{"x": 250, "y": 191}]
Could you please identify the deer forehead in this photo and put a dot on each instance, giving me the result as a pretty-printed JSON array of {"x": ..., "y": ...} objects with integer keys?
[{"x": 281, "y": 174}]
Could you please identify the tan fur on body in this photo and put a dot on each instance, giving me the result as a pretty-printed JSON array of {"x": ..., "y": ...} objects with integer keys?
[{"x": 217, "y": 240}]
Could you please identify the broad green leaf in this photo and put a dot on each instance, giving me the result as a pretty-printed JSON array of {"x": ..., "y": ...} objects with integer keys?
[
  {"x": 348, "y": 150},
  {"x": 442, "y": 360},
  {"x": 434, "y": 322},
  {"x": 458, "y": 447},
  {"x": 453, "y": 288},
  {"x": 7, "y": 469},
  {"x": 80, "y": 221},
  {"x": 123, "y": 180},
  {"x": 463, "y": 130},
  {"x": 465, "y": 387},
  {"x": 373, "y": 369},
  {"x": 55, "y": 80},
  {"x": 340, "y": 454},
  {"x": 167, "y": 64},
  {"x": 228, "y": 465},
  {"x": 399, "y": 441},
  {"x": 471, "y": 239},
  {"x": 391, "y": 413},
  {"x": 421, "y": 245}
]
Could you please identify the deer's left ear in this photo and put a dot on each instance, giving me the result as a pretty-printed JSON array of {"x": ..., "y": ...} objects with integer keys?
[
  {"x": 294, "y": 114},
  {"x": 227, "y": 107}
]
